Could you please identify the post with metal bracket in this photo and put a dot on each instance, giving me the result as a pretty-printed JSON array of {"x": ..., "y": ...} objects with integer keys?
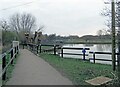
[{"x": 84, "y": 51}]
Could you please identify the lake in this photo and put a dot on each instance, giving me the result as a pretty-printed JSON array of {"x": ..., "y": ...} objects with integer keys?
[{"x": 93, "y": 48}]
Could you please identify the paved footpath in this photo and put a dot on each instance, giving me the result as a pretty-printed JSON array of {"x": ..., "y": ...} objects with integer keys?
[{"x": 32, "y": 70}]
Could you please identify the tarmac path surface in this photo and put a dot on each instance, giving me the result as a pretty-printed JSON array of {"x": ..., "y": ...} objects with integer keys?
[{"x": 33, "y": 70}]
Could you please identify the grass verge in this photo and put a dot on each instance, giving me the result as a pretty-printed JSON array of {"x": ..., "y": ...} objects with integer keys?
[
  {"x": 78, "y": 70},
  {"x": 46, "y": 47}
]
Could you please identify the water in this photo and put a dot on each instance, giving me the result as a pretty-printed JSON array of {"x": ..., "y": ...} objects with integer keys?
[{"x": 93, "y": 48}]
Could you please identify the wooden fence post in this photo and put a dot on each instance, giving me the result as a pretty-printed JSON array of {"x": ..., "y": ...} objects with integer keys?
[
  {"x": 40, "y": 48},
  {"x": 23, "y": 46},
  {"x": 62, "y": 52},
  {"x": 11, "y": 56},
  {"x": 93, "y": 57},
  {"x": 15, "y": 51},
  {"x": 83, "y": 56},
  {"x": 37, "y": 49},
  {"x": 84, "y": 51},
  {"x": 3, "y": 66},
  {"x": 54, "y": 49},
  {"x": 118, "y": 65}
]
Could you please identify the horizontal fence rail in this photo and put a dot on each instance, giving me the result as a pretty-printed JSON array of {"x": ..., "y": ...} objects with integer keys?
[
  {"x": 72, "y": 48},
  {"x": 104, "y": 53},
  {"x": 55, "y": 48},
  {"x": 94, "y": 56},
  {"x": 13, "y": 53},
  {"x": 74, "y": 54},
  {"x": 38, "y": 48}
]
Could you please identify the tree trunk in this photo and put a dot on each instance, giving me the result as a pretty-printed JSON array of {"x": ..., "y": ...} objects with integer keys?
[
  {"x": 113, "y": 34},
  {"x": 119, "y": 42}
]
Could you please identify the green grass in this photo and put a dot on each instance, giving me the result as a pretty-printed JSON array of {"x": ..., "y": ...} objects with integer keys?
[
  {"x": 78, "y": 70},
  {"x": 46, "y": 47}
]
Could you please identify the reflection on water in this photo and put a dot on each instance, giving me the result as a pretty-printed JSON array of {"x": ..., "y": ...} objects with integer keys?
[
  {"x": 70, "y": 45},
  {"x": 104, "y": 47},
  {"x": 93, "y": 47}
]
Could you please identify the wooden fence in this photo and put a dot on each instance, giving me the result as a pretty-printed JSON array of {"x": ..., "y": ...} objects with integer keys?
[
  {"x": 38, "y": 49},
  {"x": 13, "y": 53},
  {"x": 106, "y": 53},
  {"x": 69, "y": 48}
]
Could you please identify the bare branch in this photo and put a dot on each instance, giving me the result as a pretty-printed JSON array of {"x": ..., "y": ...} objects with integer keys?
[{"x": 22, "y": 23}]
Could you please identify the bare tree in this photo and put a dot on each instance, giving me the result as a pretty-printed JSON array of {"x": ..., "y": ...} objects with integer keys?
[
  {"x": 103, "y": 32},
  {"x": 117, "y": 26},
  {"x": 22, "y": 23},
  {"x": 107, "y": 12},
  {"x": 38, "y": 35},
  {"x": 99, "y": 32},
  {"x": 4, "y": 25}
]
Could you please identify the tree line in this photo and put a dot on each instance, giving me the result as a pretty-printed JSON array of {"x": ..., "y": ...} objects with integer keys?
[{"x": 16, "y": 26}]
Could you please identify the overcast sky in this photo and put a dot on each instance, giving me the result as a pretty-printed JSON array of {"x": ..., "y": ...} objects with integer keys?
[{"x": 63, "y": 17}]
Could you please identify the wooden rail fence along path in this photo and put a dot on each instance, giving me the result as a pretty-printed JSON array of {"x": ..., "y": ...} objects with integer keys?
[
  {"x": 55, "y": 48},
  {"x": 106, "y": 53},
  {"x": 13, "y": 53},
  {"x": 33, "y": 70},
  {"x": 69, "y": 48},
  {"x": 38, "y": 49}
]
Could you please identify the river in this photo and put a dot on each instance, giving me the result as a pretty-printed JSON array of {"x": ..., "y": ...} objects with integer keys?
[{"x": 93, "y": 48}]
